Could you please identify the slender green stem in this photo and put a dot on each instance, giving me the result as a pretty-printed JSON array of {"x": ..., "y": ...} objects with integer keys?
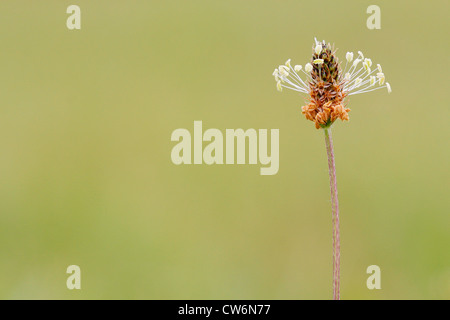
[{"x": 335, "y": 215}]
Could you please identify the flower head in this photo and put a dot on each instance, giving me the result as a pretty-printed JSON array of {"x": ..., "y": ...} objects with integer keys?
[{"x": 328, "y": 84}]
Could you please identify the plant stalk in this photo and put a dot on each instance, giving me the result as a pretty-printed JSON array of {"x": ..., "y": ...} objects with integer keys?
[{"x": 335, "y": 215}]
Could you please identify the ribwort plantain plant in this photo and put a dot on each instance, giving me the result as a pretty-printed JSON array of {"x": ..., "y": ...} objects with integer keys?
[{"x": 328, "y": 86}]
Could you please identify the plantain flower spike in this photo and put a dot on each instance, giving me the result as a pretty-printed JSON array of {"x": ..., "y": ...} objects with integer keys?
[{"x": 328, "y": 84}]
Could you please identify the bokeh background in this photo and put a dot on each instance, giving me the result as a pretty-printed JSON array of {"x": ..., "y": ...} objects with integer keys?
[{"x": 86, "y": 175}]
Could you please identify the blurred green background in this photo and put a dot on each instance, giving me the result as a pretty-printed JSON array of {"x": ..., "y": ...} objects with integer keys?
[{"x": 86, "y": 175}]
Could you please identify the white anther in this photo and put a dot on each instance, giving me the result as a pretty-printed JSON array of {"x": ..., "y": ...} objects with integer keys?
[
  {"x": 279, "y": 87},
  {"x": 308, "y": 67},
  {"x": 388, "y": 86},
  {"x": 318, "y": 61},
  {"x": 373, "y": 79},
  {"x": 318, "y": 49},
  {"x": 347, "y": 76},
  {"x": 381, "y": 78},
  {"x": 355, "y": 63},
  {"x": 284, "y": 71},
  {"x": 358, "y": 82},
  {"x": 361, "y": 54},
  {"x": 288, "y": 63},
  {"x": 297, "y": 68},
  {"x": 368, "y": 62},
  {"x": 379, "y": 68},
  {"x": 349, "y": 56},
  {"x": 366, "y": 66}
]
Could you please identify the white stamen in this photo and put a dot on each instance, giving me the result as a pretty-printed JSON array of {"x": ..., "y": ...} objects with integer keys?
[
  {"x": 349, "y": 56},
  {"x": 318, "y": 61},
  {"x": 361, "y": 54},
  {"x": 284, "y": 71},
  {"x": 297, "y": 68},
  {"x": 308, "y": 67},
  {"x": 381, "y": 78},
  {"x": 288, "y": 63},
  {"x": 318, "y": 49},
  {"x": 388, "y": 86},
  {"x": 347, "y": 76},
  {"x": 379, "y": 68},
  {"x": 279, "y": 88},
  {"x": 373, "y": 79},
  {"x": 368, "y": 62},
  {"x": 355, "y": 63}
]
